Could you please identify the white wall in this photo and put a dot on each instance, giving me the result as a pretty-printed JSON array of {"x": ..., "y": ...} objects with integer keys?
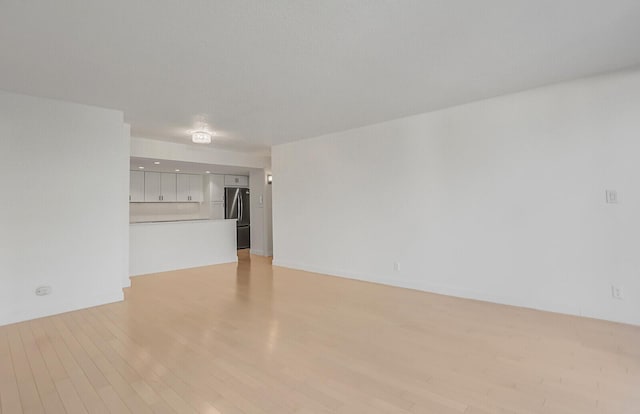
[
  {"x": 126, "y": 282},
  {"x": 261, "y": 234},
  {"x": 64, "y": 222},
  {"x": 268, "y": 216},
  {"x": 500, "y": 200}
]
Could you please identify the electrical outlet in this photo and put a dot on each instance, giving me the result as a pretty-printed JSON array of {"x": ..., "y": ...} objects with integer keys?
[
  {"x": 396, "y": 266},
  {"x": 616, "y": 292},
  {"x": 43, "y": 290},
  {"x": 611, "y": 196}
]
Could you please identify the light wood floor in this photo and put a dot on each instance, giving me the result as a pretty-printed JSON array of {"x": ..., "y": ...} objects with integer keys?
[{"x": 257, "y": 339}]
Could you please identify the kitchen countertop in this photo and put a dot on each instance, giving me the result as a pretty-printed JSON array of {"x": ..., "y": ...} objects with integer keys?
[{"x": 176, "y": 221}]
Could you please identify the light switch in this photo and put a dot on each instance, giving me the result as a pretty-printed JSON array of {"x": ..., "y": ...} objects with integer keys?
[{"x": 611, "y": 196}]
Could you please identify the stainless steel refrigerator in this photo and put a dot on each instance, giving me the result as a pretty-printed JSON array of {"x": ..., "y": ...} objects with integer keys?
[{"x": 236, "y": 206}]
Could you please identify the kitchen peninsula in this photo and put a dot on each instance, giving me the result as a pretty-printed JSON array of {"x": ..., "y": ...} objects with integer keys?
[
  {"x": 169, "y": 245},
  {"x": 177, "y": 220}
]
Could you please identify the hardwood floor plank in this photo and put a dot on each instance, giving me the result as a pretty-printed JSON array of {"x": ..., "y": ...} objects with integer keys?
[
  {"x": 45, "y": 384},
  {"x": 77, "y": 377},
  {"x": 255, "y": 339},
  {"x": 9, "y": 393},
  {"x": 113, "y": 401},
  {"x": 72, "y": 402},
  {"x": 54, "y": 366},
  {"x": 29, "y": 397}
]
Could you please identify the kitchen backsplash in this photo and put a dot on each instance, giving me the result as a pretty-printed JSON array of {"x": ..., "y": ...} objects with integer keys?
[
  {"x": 141, "y": 212},
  {"x": 165, "y": 211}
]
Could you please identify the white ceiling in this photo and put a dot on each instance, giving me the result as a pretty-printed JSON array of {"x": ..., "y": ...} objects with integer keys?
[
  {"x": 185, "y": 167},
  {"x": 266, "y": 72}
]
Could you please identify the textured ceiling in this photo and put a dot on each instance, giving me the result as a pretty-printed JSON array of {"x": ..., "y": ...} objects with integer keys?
[{"x": 266, "y": 72}]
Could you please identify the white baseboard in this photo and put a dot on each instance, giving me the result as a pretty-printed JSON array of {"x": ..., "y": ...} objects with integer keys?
[
  {"x": 22, "y": 315},
  {"x": 537, "y": 304}
]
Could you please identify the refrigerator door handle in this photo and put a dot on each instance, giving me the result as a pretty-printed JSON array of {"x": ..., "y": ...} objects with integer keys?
[{"x": 240, "y": 208}]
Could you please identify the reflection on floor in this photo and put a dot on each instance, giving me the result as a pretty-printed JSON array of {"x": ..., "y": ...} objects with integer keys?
[{"x": 250, "y": 338}]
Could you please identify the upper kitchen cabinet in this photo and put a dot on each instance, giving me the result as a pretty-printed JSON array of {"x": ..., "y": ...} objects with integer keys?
[
  {"x": 168, "y": 186},
  {"x": 165, "y": 187},
  {"x": 152, "y": 187},
  {"x": 189, "y": 187},
  {"x": 236, "y": 181},
  {"x": 160, "y": 187},
  {"x": 216, "y": 188},
  {"x": 136, "y": 186},
  {"x": 196, "y": 190}
]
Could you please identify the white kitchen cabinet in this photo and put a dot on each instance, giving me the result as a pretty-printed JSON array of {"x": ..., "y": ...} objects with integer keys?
[
  {"x": 168, "y": 185},
  {"x": 189, "y": 187},
  {"x": 196, "y": 190},
  {"x": 216, "y": 187},
  {"x": 236, "y": 181},
  {"x": 182, "y": 187},
  {"x": 160, "y": 187},
  {"x": 152, "y": 187},
  {"x": 136, "y": 186}
]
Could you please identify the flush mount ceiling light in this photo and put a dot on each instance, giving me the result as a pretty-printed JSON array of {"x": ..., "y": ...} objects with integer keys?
[{"x": 201, "y": 137}]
